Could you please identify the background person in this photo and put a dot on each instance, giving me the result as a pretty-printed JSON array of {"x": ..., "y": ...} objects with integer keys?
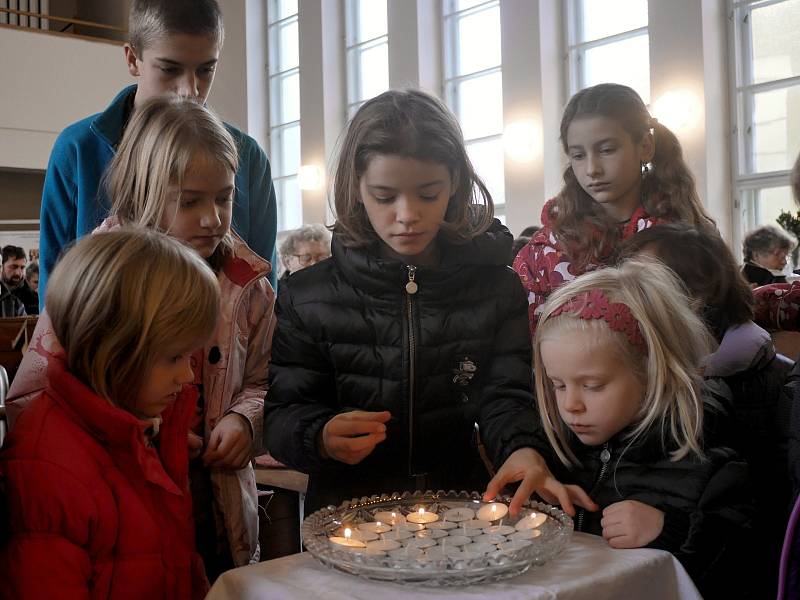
[{"x": 766, "y": 253}]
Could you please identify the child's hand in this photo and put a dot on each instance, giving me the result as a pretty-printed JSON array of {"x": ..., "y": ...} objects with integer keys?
[
  {"x": 528, "y": 466},
  {"x": 231, "y": 443},
  {"x": 350, "y": 437},
  {"x": 631, "y": 524},
  {"x": 195, "y": 445}
]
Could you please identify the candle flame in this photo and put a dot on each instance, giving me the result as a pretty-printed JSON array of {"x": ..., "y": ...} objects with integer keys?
[
  {"x": 378, "y": 523},
  {"x": 421, "y": 511},
  {"x": 347, "y": 532}
]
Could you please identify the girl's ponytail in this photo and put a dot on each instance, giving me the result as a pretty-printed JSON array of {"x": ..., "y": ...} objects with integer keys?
[{"x": 670, "y": 185}]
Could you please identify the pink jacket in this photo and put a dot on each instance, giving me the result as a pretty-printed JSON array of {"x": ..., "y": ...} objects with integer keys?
[
  {"x": 234, "y": 380},
  {"x": 543, "y": 264}
]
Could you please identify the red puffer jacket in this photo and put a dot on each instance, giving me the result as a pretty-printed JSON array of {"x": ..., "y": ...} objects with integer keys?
[{"x": 93, "y": 511}]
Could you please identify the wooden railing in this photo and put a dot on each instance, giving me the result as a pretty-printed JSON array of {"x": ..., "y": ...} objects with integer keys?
[{"x": 38, "y": 21}]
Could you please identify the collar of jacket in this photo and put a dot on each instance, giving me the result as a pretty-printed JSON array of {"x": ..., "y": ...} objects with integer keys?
[
  {"x": 110, "y": 123},
  {"x": 365, "y": 269},
  {"x": 124, "y": 435},
  {"x": 240, "y": 268}
]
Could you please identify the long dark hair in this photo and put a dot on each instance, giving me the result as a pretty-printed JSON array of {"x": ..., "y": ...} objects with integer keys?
[
  {"x": 706, "y": 267},
  {"x": 416, "y": 125},
  {"x": 668, "y": 190}
]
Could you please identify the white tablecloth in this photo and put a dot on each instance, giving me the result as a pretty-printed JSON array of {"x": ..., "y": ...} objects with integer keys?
[{"x": 587, "y": 569}]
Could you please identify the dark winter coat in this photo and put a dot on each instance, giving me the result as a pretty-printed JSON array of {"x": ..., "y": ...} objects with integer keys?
[
  {"x": 706, "y": 503},
  {"x": 351, "y": 336}
]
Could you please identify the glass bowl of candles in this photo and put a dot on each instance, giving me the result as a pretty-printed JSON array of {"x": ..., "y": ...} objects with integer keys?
[{"x": 435, "y": 538}]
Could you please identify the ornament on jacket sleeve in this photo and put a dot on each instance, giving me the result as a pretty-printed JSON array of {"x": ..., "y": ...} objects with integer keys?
[{"x": 465, "y": 372}]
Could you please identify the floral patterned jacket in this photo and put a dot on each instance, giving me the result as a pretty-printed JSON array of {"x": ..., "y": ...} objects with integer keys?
[
  {"x": 777, "y": 306},
  {"x": 543, "y": 264},
  {"x": 235, "y": 376}
]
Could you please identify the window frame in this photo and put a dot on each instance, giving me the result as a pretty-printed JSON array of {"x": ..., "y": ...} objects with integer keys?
[
  {"x": 352, "y": 51},
  {"x": 747, "y": 182},
  {"x": 450, "y": 80},
  {"x": 576, "y": 49},
  {"x": 279, "y": 178}
]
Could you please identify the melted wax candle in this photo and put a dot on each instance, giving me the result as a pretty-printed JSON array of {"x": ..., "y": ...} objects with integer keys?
[
  {"x": 390, "y": 517},
  {"x": 376, "y": 527},
  {"x": 347, "y": 541},
  {"x": 421, "y": 517},
  {"x": 492, "y": 512},
  {"x": 532, "y": 521}
]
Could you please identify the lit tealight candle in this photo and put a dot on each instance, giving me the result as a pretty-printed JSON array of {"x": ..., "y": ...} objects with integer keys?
[
  {"x": 422, "y": 517},
  {"x": 493, "y": 511},
  {"x": 376, "y": 527},
  {"x": 390, "y": 517},
  {"x": 347, "y": 540},
  {"x": 532, "y": 521}
]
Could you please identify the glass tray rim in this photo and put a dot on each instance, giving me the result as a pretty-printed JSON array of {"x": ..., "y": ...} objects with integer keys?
[{"x": 439, "y": 572}]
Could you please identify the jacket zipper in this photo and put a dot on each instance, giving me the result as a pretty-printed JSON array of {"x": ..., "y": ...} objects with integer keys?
[
  {"x": 605, "y": 459},
  {"x": 411, "y": 289}
]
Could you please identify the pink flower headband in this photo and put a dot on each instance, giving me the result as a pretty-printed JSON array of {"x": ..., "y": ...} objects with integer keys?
[{"x": 595, "y": 305}]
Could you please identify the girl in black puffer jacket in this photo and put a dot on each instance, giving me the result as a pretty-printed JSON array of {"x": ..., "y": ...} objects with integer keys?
[
  {"x": 617, "y": 355},
  {"x": 387, "y": 355}
]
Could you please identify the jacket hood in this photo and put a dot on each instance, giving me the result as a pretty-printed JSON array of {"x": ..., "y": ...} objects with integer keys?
[
  {"x": 365, "y": 268},
  {"x": 743, "y": 347}
]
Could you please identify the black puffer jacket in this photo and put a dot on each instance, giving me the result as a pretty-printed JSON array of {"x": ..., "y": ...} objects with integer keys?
[
  {"x": 707, "y": 504},
  {"x": 351, "y": 337}
]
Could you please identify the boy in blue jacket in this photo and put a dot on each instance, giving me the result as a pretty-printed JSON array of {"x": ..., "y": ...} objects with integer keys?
[{"x": 174, "y": 48}]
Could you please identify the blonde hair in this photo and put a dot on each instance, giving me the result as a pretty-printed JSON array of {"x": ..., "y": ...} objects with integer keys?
[
  {"x": 160, "y": 142},
  {"x": 411, "y": 124},
  {"x": 121, "y": 298},
  {"x": 670, "y": 371}
]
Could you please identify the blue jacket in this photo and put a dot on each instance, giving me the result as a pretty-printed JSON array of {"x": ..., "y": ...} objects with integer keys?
[{"x": 73, "y": 203}]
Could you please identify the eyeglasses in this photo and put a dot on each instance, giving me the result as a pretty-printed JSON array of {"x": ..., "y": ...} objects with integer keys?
[{"x": 310, "y": 259}]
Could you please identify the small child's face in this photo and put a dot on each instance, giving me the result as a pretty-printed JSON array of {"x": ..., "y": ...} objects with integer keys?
[
  {"x": 406, "y": 201},
  {"x": 200, "y": 212},
  {"x": 606, "y": 161},
  {"x": 164, "y": 381},
  {"x": 597, "y": 394},
  {"x": 178, "y": 64}
]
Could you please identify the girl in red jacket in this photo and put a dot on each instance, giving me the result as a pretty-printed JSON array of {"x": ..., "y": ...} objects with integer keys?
[
  {"x": 95, "y": 472},
  {"x": 626, "y": 172}
]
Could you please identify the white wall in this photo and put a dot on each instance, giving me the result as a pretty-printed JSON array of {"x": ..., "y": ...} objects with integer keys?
[{"x": 49, "y": 81}]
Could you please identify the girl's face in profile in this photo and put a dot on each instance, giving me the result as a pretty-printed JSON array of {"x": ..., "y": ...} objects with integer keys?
[
  {"x": 406, "y": 201},
  {"x": 608, "y": 163},
  {"x": 200, "y": 212},
  {"x": 165, "y": 378},
  {"x": 597, "y": 394}
]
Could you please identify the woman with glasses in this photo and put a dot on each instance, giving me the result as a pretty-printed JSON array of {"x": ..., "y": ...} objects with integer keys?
[
  {"x": 304, "y": 247},
  {"x": 766, "y": 251}
]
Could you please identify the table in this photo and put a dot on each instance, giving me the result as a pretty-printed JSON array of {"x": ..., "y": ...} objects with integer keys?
[{"x": 587, "y": 569}]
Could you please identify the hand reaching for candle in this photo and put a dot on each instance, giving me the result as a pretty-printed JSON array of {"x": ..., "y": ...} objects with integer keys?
[
  {"x": 528, "y": 466},
  {"x": 350, "y": 437},
  {"x": 631, "y": 524}
]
